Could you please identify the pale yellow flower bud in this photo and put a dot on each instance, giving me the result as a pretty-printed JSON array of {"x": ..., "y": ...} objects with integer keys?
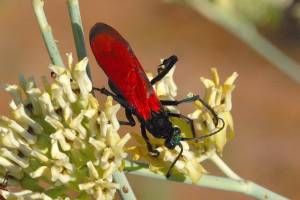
[
  {"x": 59, "y": 134},
  {"x": 218, "y": 97}
]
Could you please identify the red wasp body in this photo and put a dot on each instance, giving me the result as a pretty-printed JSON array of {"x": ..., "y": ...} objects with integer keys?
[
  {"x": 132, "y": 89},
  {"x": 118, "y": 61}
]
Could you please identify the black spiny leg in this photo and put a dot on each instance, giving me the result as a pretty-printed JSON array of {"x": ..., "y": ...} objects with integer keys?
[
  {"x": 152, "y": 152},
  {"x": 105, "y": 92},
  {"x": 129, "y": 117},
  {"x": 177, "y": 102},
  {"x": 168, "y": 63},
  {"x": 120, "y": 100},
  {"x": 192, "y": 99},
  {"x": 188, "y": 120},
  {"x": 128, "y": 112},
  {"x": 115, "y": 97}
]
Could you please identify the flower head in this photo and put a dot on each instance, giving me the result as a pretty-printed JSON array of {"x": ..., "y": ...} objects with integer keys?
[
  {"x": 59, "y": 137},
  {"x": 218, "y": 97}
]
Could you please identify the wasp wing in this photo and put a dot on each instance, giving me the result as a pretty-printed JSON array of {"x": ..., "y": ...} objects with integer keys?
[{"x": 116, "y": 58}]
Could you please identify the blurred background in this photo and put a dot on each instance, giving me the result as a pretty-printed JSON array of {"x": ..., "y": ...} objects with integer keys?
[{"x": 265, "y": 102}]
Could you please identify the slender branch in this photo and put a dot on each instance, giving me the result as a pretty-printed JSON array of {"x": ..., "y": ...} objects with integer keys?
[
  {"x": 247, "y": 33},
  {"x": 125, "y": 190},
  {"x": 74, "y": 13},
  {"x": 213, "y": 156},
  {"x": 242, "y": 186},
  {"x": 38, "y": 7}
]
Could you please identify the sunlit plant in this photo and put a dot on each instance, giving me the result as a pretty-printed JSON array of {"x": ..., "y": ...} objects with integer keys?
[
  {"x": 219, "y": 98},
  {"x": 60, "y": 137},
  {"x": 61, "y": 143}
]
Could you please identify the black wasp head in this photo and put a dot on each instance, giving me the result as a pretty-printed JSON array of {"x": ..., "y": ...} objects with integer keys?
[
  {"x": 161, "y": 127},
  {"x": 174, "y": 138}
]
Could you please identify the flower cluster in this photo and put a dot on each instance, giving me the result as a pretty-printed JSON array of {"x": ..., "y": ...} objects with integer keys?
[
  {"x": 59, "y": 144},
  {"x": 218, "y": 97},
  {"x": 58, "y": 141}
]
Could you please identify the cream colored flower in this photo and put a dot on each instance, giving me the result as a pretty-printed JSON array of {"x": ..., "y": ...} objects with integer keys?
[
  {"x": 26, "y": 195},
  {"x": 60, "y": 135},
  {"x": 219, "y": 98},
  {"x": 166, "y": 88},
  {"x": 187, "y": 164}
]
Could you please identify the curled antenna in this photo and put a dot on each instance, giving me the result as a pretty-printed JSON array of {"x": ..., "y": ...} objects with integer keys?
[
  {"x": 211, "y": 110},
  {"x": 208, "y": 135},
  {"x": 173, "y": 164},
  {"x": 195, "y": 138}
]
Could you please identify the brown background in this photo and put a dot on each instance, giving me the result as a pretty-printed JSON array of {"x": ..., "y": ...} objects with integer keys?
[{"x": 265, "y": 102}]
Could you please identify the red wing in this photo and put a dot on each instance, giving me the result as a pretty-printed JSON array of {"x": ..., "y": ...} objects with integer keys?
[{"x": 115, "y": 57}]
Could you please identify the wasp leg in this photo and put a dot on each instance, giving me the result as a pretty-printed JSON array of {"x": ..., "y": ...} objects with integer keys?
[
  {"x": 114, "y": 89},
  {"x": 168, "y": 63},
  {"x": 188, "y": 120},
  {"x": 152, "y": 152},
  {"x": 122, "y": 102},
  {"x": 105, "y": 92},
  {"x": 192, "y": 99},
  {"x": 118, "y": 99},
  {"x": 128, "y": 112},
  {"x": 177, "y": 102},
  {"x": 131, "y": 121}
]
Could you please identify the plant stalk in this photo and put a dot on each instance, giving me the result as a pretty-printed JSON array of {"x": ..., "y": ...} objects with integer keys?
[
  {"x": 213, "y": 156},
  {"x": 242, "y": 186},
  {"x": 125, "y": 190},
  {"x": 38, "y": 7},
  {"x": 248, "y": 33},
  {"x": 77, "y": 28}
]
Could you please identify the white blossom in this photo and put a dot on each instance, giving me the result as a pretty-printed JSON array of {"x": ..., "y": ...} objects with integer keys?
[{"x": 59, "y": 134}]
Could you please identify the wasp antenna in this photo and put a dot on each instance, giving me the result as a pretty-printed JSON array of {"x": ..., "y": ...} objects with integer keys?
[
  {"x": 208, "y": 135},
  {"x": 211, "y": 110},
  {"x": 174, "y": 162}
]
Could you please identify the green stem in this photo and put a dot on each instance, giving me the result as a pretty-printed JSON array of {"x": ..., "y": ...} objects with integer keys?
[
  {"x": 125, "y": 190},
  {"x": 223, "y": 166},
  {"x": 38, "y": 7},
  {"x": 247, "y": 33},
  {"x": 74, "y": 13},
  {"x": 242, "y": 186}
]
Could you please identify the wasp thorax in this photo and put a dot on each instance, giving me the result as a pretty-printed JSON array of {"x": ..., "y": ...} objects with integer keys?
[{"x": 159, "y": 125}]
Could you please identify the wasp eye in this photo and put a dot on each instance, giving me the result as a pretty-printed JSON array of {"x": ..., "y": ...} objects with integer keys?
[{"x": 177, "y": 131}]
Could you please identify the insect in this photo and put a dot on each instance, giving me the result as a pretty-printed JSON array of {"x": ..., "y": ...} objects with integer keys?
[
  {"x": 3, "y": 185},
  {"x": 131, "y": 88}
]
